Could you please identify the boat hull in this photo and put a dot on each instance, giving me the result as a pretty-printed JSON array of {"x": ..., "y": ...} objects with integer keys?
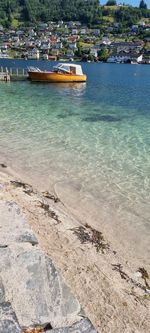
[{"x": 55, "y": 77}]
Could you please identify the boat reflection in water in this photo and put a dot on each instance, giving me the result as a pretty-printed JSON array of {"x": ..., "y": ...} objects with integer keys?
[
  {"x": 77, "y": 88},
  {"x": 60, "y": 73},
  {"x": 69, "y": 88}
]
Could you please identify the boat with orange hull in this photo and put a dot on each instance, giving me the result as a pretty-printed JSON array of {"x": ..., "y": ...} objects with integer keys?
[{"x": 60, "y": 73}]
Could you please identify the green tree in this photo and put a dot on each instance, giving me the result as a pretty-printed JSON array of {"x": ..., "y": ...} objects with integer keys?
[
  {"x": 142, "y": 5},
  {"x": 88, "y": 12},
  {"x": 111, "y": 3},
  {"x": 103, "y": 54}
]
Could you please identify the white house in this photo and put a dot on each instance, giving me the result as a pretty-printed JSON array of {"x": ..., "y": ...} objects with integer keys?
[
  {"x": 34, "y": 54},
  {"x": 73, "y": 45},
  {"x": 142, "y": 24},
  {"x": 125, "y": 57},
  {"x": 83, "y": 31},
  {"x": 94, "y": 52},
  {"x": 59, "y": 45},
  {"x": 127, "y": 46},
  {"x": 106, "y": 41},
  {"x": 74, "y": 32},
  {"x": 45, "y": 45}
]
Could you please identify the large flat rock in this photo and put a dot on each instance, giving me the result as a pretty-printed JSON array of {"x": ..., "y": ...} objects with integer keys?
[
  {"x": 29, "y": 281},
  {"x": 38, "y": 293}
]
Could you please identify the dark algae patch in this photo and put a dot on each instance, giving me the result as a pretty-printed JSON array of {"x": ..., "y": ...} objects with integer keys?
[
  {"x": 26, "y": 187},
  {"x": 87, "y": 234},
  {"x": 145, "y": 276},
  {"x": 39, "y": 329},
  {"x": 105, "y": 118},
  {"x": 50, "y": 196},
  {"x": 3, "y": 165},
  {"x": 125, "y": 276},
  {"x": 49, "y": 212}
]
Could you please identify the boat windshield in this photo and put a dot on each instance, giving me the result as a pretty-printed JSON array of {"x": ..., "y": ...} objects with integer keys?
[
  {"x": 68, "y": 68},
  {"x": 62, "y": 68}
]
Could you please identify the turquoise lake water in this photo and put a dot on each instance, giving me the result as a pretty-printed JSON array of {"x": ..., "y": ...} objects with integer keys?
[{"x": 95, "y": 135}]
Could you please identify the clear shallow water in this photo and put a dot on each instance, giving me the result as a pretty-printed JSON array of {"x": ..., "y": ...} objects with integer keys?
[{"x": 96, "y": 135}]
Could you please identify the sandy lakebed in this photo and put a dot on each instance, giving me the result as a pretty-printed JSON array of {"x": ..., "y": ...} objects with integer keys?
[{"x": 111, "y": 284}]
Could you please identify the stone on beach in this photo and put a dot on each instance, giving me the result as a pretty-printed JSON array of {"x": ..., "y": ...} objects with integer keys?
[
  {"x": 39, "y": 293},
  {"x": 8, "y": 319},
  {"x": 31, "y": 283}
]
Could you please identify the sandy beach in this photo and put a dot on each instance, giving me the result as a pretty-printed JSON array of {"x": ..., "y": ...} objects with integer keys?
[{"x": 111, "y": 284}]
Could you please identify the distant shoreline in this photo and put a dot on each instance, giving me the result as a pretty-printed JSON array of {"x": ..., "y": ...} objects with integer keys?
[{"x": 74, "y": 61}]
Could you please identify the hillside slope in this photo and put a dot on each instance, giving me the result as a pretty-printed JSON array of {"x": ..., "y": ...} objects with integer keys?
[
  {"x": 86, "y": 11},
  {"x": 45, "y": 10}
]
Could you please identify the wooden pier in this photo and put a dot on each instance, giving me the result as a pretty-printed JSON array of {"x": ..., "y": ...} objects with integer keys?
[
  {"x": 4, "y": 76},
  {"x": 13, "y": 74}
]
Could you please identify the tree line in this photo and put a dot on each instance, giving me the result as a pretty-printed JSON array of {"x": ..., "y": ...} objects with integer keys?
[{"x": 86, "y": 11}]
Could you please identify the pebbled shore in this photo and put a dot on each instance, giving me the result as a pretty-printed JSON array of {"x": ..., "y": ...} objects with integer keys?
[{"x": 39, "y": 243}]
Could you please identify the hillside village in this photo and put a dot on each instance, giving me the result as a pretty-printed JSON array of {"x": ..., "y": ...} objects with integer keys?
[{"x": 76, "y": 41}]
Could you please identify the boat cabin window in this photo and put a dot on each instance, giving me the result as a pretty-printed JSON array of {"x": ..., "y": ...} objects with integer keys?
[
  {"x": 68, "y": 68},
  {"x": 72, "y": 70}
]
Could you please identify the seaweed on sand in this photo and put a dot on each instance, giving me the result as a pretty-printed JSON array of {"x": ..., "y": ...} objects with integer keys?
[
  {"x": 34, "y": 330},
  {"x": 38, "y": 329},
  {"x": 125, "y": 276},
  {"x": 145, "y": 276},
  {"x": 50, "y": 196},
  {"x": 86, "y": 234},
  {"x": 18, "y": 183},
  {"x": 3, "y": 165},
  {"x": 119, "y": 268},
  {"x": 49, "y": 212},
  {"x": 28, "y": 189}
]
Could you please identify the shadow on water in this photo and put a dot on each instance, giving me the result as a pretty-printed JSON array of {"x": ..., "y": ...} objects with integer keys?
[
  {"x": 105, "y": 118},
  {"x": 94, "y": 118},
  {"x": 68, "y": 114}
]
